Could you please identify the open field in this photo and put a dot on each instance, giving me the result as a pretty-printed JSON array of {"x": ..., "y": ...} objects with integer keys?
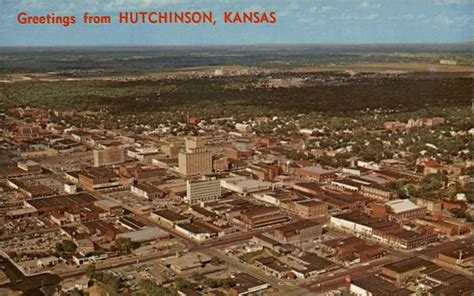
[
  {"x": 383, "y": 67},
  {"x": 85, "y": 62}
]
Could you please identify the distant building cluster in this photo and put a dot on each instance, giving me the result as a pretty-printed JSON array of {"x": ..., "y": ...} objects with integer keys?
[{"x": 413, "y": 123}]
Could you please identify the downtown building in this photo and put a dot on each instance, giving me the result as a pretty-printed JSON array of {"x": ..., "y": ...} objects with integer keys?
[
  {"x": 198, "y": 161},
  {"x": 108, "y": 156},
  {"x": 382, "y": 230},
  {"x": 202, "y": 191}
]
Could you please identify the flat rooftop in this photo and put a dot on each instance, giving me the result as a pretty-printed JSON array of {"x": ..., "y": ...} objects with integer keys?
[
  {"x": 146, "y": 234},
  {"x": 62, "y": 201},
  {"x": 402, "y": 205},
  {"x": 317, "y": 170},
  {"x": 170, "y": 215},
  {"x": 408, "y": 265},
  {"x": 298, "y": 225},
  {"x": 378, "y": 286}
]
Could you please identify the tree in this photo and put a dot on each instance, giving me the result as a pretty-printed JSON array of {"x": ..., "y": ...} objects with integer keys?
[
  {"x": 433, "y": 182},
  {"x": 216, "y": 283},
  {"x": 123, "y": 245},
  {"x": 212, "y": 283},
  {"x": 325, "y": 160},
  {"x": 409, "y": 190},
  {"x": 152, "y": 289},
  {"x": 65, "y": 248},
  {"x": 109, "y": 283},
  {"x": 182, "y": 284},
  {"x": 91, "y": 271},
  {"x": 197, "y": 276}
]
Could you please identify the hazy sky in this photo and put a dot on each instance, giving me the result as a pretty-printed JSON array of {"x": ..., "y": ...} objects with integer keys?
[{"x": 299, "y": 21}]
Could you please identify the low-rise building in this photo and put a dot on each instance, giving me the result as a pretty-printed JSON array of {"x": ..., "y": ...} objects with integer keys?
[
  {"x": 264, "y": 171},
  {"x": 310, "y": 264},
  {"x": 450, "y": 227},
  {"x": 146, "y": 190},
  {"x": 197, "y": 231},
  {"x": 246, "y": 284},
  {"x": 262, "y": 216},
  {"x": 188, "y": 262},
  {"x": 47, "y": 261},
  {"x": 399, "y": 209},
  {"x": 168, "y": 218},
  {"x": 316, "y": 173},
  {"x": 244, "y": 186},
  {"x": 373, "y": 285},
  {"x": 352, "y": 250},
  {"x": 400, "y": 271},
  {"x": 98, "y": 178},
  {"x": 460, "y": 258},
  {"x": 382, "y": 230},
  {"x": 273, "y": 266},
  {"x": 377, "y": 192},
  {"x": 144, "y": 235},
  {"x": 298, "y": 232},
  {"x": 90, "y": 258},
  {"x": 307, "y": 208},
  {"x": 112, "y": 207},
  {"x": 20, "y": 213},
  {"x": 311, "y": 188},
  {"x": 431, "y": 205}
]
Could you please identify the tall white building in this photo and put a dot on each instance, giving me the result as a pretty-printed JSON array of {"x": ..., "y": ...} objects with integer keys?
[{"x": 202, "y": 191}]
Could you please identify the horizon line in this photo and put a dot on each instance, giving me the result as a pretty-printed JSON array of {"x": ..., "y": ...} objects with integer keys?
[{"x": 245, "y": 44}]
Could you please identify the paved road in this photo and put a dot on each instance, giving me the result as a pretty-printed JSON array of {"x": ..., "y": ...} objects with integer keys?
[
  {"x": 116, "y": 262},
  {"x": 250, "y": 269},
  {"x": 210, "y": 249},
  {"x": 432, "y": 252}
]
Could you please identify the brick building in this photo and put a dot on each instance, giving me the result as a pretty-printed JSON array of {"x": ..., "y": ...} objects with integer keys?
[
  {"x": 259, "y": 217},
  {"x": 303, "y": 230}
]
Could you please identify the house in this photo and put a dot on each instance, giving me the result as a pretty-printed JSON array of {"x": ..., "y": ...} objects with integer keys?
[{"x": 430, "y": 166}]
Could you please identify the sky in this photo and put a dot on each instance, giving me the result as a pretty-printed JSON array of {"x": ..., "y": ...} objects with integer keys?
[{"x": 298, "y": 22}]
